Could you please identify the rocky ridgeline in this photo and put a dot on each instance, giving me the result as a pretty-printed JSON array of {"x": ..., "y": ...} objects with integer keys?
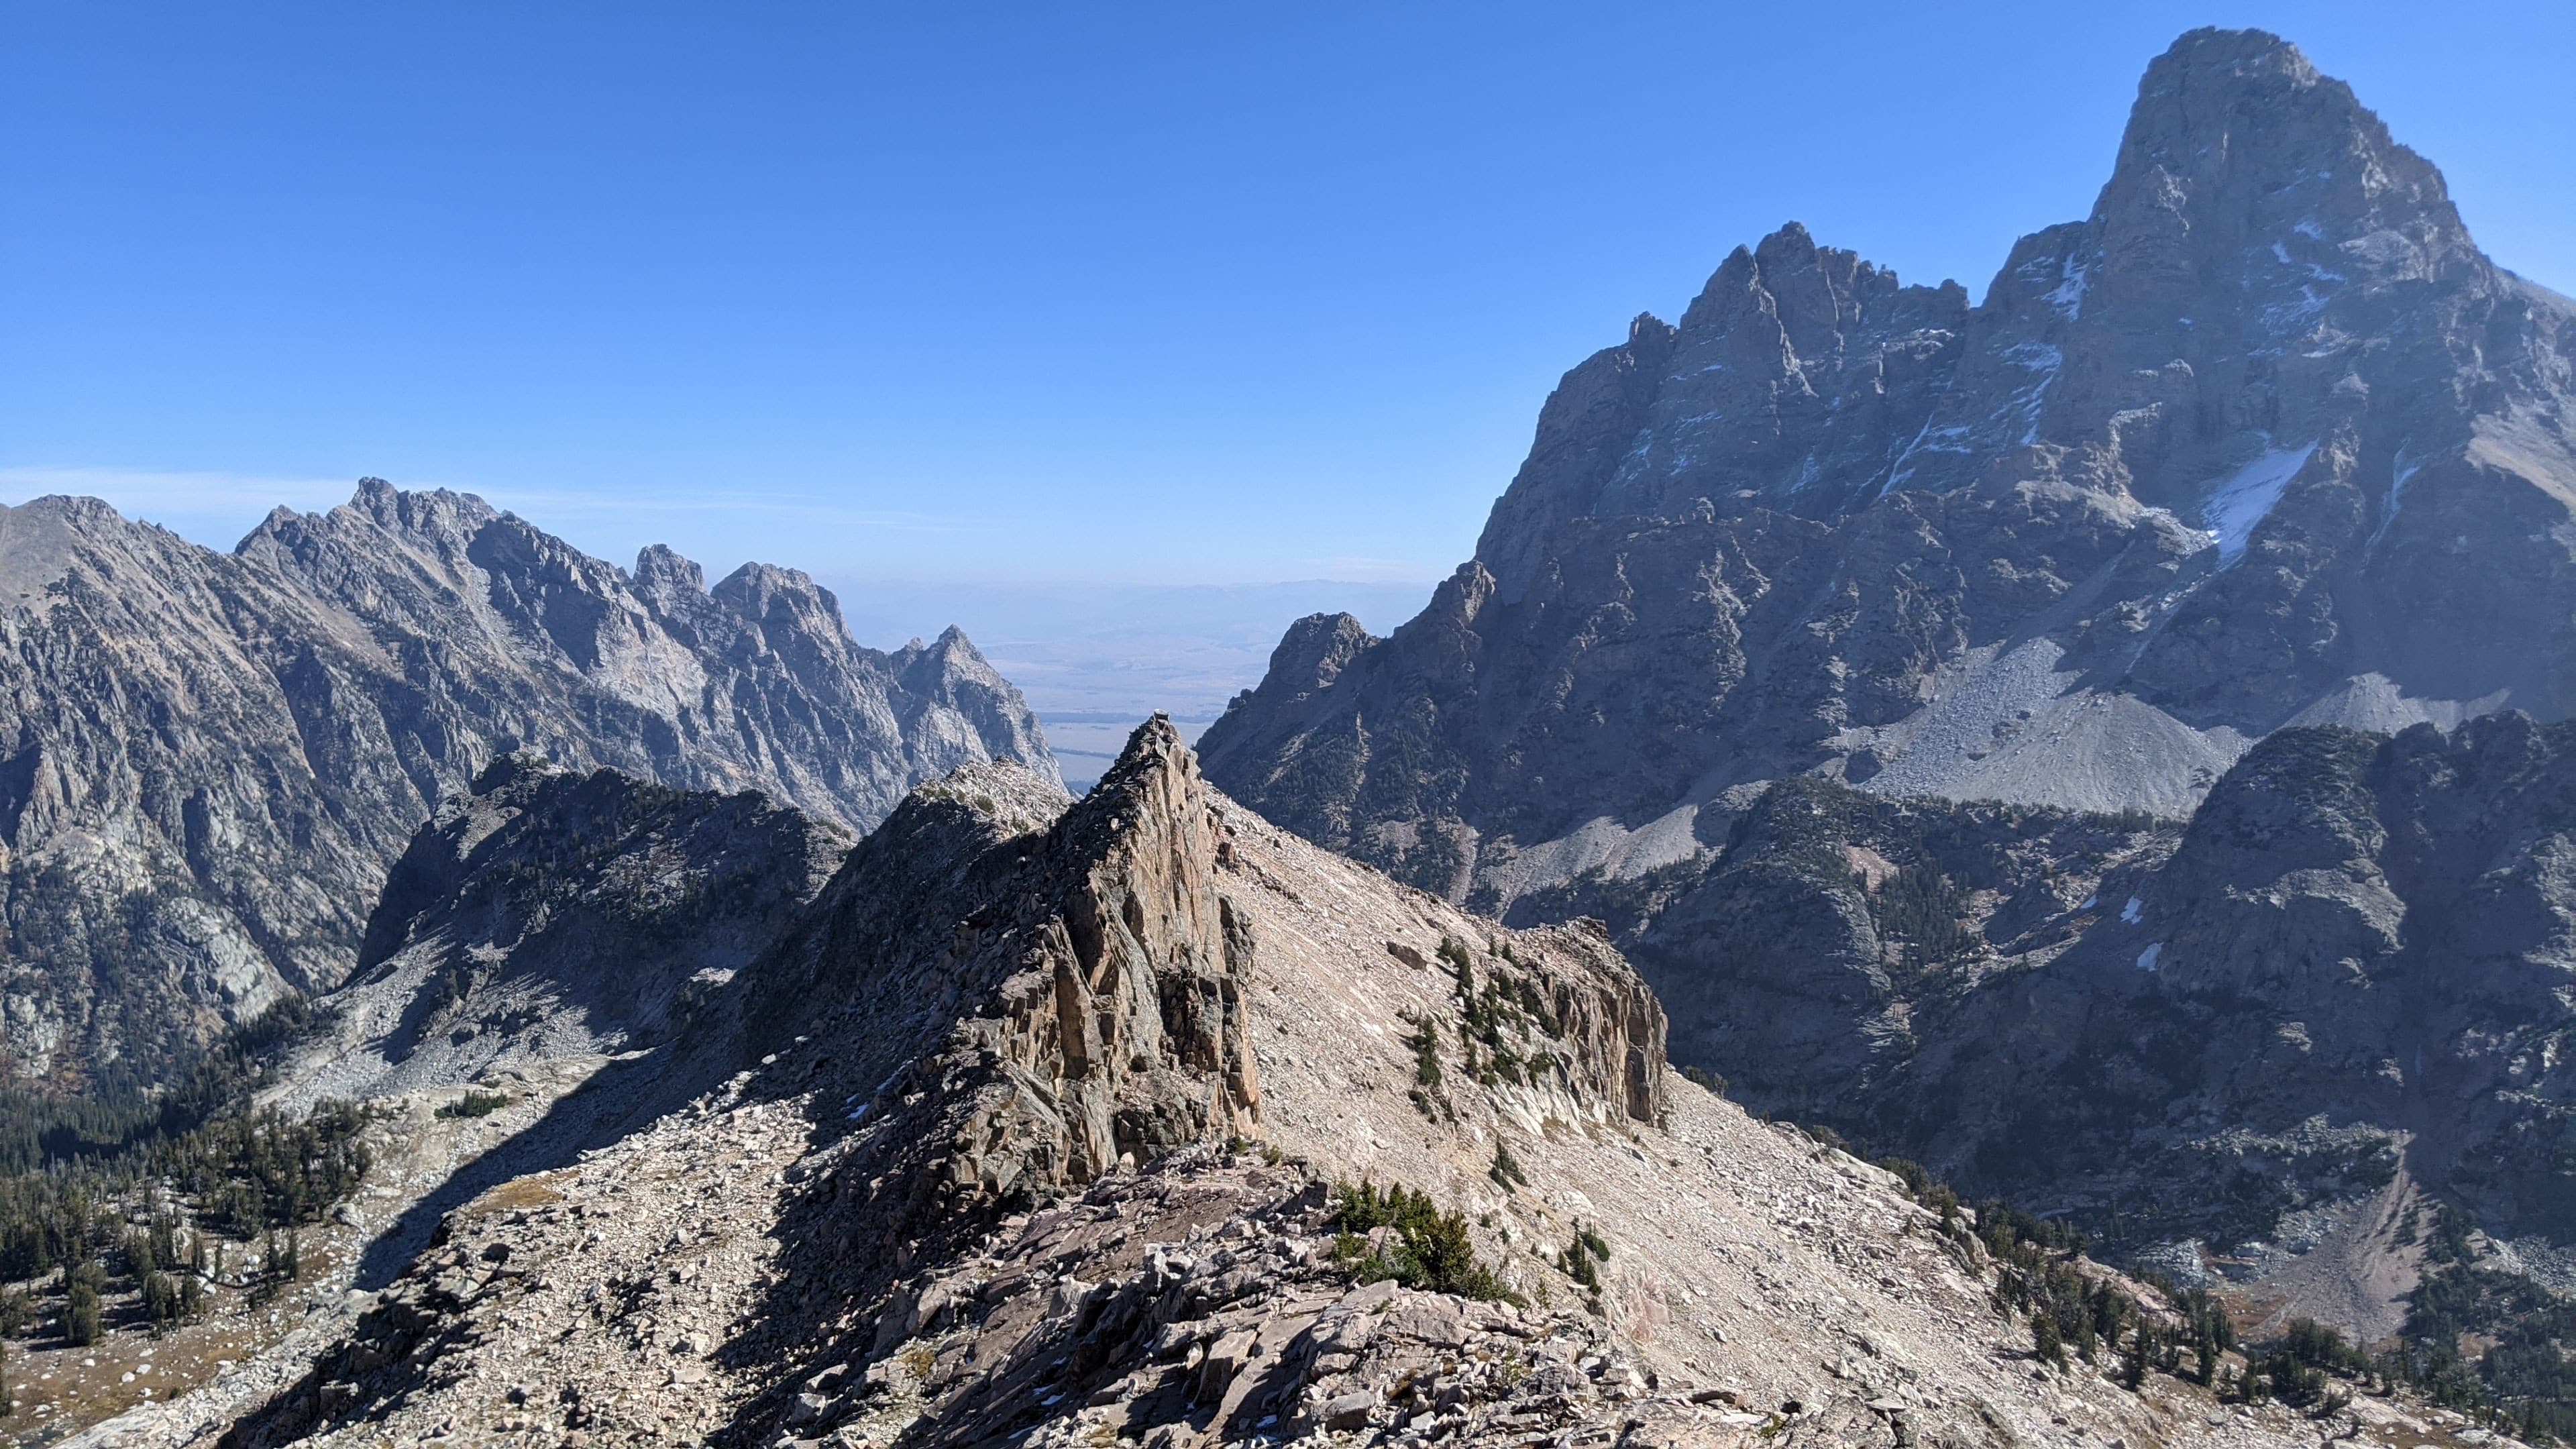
[
  {"x": 209, "y": 760},
  {"x": 1930, "y": 697},
  {"x": 555, "y": 915},
  {"x": 1049, "y": 1130},
  {"x": 2263, "y": 440}
]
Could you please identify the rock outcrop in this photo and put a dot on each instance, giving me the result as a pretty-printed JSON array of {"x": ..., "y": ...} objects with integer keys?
[
  {"x": 553, "y": 916},
  {"x": 2263, "y": 440},
  {"x": 209, "y": 760},
  {"x": 902, "y": 1223}
]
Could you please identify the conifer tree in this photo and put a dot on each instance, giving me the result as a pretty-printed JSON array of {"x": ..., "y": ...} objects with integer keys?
[
  {"x": 80, "y": 1314},
  {"x": 2047, "y": 1344}
]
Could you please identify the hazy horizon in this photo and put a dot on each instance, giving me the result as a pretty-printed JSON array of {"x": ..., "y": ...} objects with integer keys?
[{"x": 1015, "y": 294}]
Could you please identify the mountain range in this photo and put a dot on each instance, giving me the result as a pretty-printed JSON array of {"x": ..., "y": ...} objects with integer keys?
[
  {"x": 2099, "y": 739},
  {"x": 2104, "y": 748},
  {"x": 208, "y": 760}
]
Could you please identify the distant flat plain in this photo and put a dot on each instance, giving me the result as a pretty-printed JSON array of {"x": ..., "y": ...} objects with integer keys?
[{"x": 1095, "y": 660}]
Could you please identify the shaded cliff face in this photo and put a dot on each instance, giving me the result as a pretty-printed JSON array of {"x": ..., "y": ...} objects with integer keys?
[
  {"x": 2344, "y": 982},
  {"x": 552, "y": 915},
  {"x": 207, "y": 761},
  {"x": 2262, "y": 440}
]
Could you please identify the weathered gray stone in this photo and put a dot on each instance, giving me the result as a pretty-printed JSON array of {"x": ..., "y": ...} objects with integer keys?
[
  {"x": 2233, "y": 451},
  {"x": 208, "y": 761}
]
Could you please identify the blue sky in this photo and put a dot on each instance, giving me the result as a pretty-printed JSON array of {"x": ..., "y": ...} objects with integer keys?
[{"x": 960, "y": 293}]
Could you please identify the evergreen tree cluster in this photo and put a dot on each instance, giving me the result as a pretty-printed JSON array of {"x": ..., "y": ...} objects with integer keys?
[
  {"x": 1578, "y": 1262},
  {"x": 1502, "y": 1013},
  {"x": 139, "y": 1198},
  {"x": 1496, "y": 1018},
  {"x": 1429, "y": 1250},
  {"x": 2523, "y": 1381}
]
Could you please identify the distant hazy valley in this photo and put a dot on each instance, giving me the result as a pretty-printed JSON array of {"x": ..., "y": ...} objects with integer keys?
[{"x": 1095, "y": 660}]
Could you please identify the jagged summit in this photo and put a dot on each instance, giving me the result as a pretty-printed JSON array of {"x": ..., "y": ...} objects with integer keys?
[
  {"x": 208, "y": 760},
  {"x": 2262, "y": 439},
  {"x": 2236, "y": 126}
]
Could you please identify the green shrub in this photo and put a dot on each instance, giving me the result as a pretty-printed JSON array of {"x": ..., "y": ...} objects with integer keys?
[
  {"x": 475, "y": 1104},
  {"x": 1431, "y": 1249},
  {"x": 1715, "y": 1084}
]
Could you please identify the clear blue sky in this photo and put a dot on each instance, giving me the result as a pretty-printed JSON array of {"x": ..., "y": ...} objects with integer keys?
[{"x": 951, "y": 292}]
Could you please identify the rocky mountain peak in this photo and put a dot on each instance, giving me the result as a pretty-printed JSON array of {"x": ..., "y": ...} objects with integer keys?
[
  {"x": 665, "y": 579},
  {"x": 2260, "y": 441},
  {"x": 37, "y": 546},
  {"x": 763, "y": 592},
  {"x": 2236, "y": 135},
  {"x": 434, "y": 512},
  {"x": 208, "y": 760}
]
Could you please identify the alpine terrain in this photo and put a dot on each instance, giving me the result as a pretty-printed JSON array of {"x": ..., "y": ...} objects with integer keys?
[
  {"x": 2264, "y": 440},
  {"x": 2107, "y": 749},
  {"x": 1133, "y": 1120},
  {"x": 208, "y": 760},
  {"x": 2101, "y": 740}
]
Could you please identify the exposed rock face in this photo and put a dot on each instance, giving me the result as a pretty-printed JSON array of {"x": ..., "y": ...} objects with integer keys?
[
  {"x": 2263, "y": 440},
  {"x": 553, "y": 915},
  {"x": 207, "y": 761},
  {"x": 2342, "y": 984},
  {"x": 1105, "y": 967},
  {"x": 903, "y": 1226}
]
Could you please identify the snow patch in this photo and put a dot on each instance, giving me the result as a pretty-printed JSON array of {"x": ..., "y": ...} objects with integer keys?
[
  {"x": 2129, "y": 912},
  {"x": 2042, "y": 360},
  {"x": 2068, "y": 297},
  {"x": 2404, "y": 469},
  {"x": 2244, "y": 498},
  {"x": 1927, "y": 439},
  {"x": 2147, "y": 958}
]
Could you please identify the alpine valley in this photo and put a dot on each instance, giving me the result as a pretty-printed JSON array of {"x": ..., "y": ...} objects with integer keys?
[{"x": 1951, "y": 874}]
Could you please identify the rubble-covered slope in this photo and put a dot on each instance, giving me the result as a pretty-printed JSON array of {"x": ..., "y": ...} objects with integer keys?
[
  {"x": 2226, "y": 1044},
  {"x": 2262, "y": 440},
  {"x": 1038, "y": 1145},
  {"x": 551, "y": 916},
  {"x": 208, "y": 760}
]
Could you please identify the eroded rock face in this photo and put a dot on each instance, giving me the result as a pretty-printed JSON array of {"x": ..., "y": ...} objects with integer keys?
[
  {"x": 2262, "y": 440},
  {"x": 1105, "y": 953},
  {"x": 901, "y": 1225},
  {"x": 208, "y": 761},
  {"x": 2342, "y": 983},
  {"x": 553, "y": 915}
]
